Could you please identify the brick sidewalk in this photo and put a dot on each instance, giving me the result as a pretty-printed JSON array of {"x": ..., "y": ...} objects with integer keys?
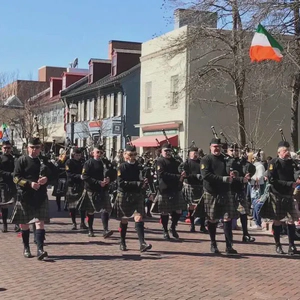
[{"x": 94, "y": 268}]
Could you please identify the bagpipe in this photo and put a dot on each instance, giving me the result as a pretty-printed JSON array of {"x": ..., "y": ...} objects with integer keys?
[{"x": 175, "y": 154}]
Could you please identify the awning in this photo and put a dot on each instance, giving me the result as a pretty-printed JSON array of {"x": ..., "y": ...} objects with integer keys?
[{"x": 150, "y": 140}]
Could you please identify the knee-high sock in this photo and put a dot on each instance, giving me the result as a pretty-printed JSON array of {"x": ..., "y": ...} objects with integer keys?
[
  {"x": 291, "y": 234},
  {"x": 277, "y": 231},
  {"x": 228, "y": 233},
  {"x": 244, "y": 222},
  {"x": 58, "y": 201},
  {"x": 212, "y": 229},
  {"x": 105, "y": 218},
  {"x": 164, "y": 222},
  {"x": 25, "y": 238},
  {"x": 82, "y": 216},
  {"x": 148, "y": 205},
  {"x": 123, "y": 230},
  {"x": 139, "y": 226},
  {"x": 73, "y": 215},
  {"x": 4, "y": 212},
  {"x": 175, "y": 218},
  {"x": 192, "y": 218},
  {"x": 90, "y": 222},
  {"x": 40, "y": 235}
]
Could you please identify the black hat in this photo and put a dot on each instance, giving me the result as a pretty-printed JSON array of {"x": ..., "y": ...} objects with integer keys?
[
  {"x": 6, "y": 143},
  {"x": 166, "y": 146},
  {"x": 34, "y": 141},
  {"x": 99, "y": 147},
  {"x": 233, "y": 146},
  {"x": 194, "y": 148},
  {"x": 215, "y": 141},
  {"x": 77, "y": 150},
  {"x": 283, "y": 144},
  {"x": 130, "y": 148}
]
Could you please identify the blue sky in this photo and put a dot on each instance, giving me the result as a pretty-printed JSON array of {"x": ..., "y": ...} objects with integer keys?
[{"x": 35, "y": 33}]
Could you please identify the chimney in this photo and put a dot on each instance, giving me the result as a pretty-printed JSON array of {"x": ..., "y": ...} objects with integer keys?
[
  {"x": 113, "y": 44},
  {"x": 183, "y": 17},
  {"x": 98, "y": 68}
]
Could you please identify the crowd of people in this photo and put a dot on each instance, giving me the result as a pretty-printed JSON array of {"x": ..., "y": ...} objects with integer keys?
[{"x": 214, "y": 188}]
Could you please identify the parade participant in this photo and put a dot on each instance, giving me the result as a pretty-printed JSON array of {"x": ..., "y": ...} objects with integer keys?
[
  {"x": 217, "y": 201},
  {"x": 130, "y": 200},
  {"x": 7, "y": 186},
  {"x": 75, "y": 187},
  {"x": 95, "y": 197},
  {"x": 192, "y": 187},
  {"x": 280, "y": 204},
  {"x": 238, "y": 188},
  {"x": 60, "y": 186},
  {"x": 31, "y": 176},
  {"x": 170, "y": 182}
]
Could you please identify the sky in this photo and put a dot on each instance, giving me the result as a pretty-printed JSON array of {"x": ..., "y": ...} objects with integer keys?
[{"x": 36, "y": 33}]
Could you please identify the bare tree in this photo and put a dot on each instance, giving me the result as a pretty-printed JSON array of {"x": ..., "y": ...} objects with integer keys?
[{"x": 219, "y": 59}]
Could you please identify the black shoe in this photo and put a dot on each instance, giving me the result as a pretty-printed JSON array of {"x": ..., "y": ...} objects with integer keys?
[
  {"x": 91, "y": 233},
  {"x": 293, "y": 250},
  {"x": 41, "y": 254},
  {"x": 27, "y": 253},
  {"x": 83, "y": 226},
  {"x": 174, "y": 233},
  {"x": 214, "y": 248},
  {"x": 278, "y": 249},
  {"x": 145, "y": 247},
  {"x": 230, "y": 251},
  {"x": 203, "y": 230},
  {"x": 4, "y": 228},
  {"x": 123, "y": 246},
  {"x": 107, "y": 233},
  {"x": 74, "y": 226},
  {"x": 166, "y": 236},
  {"x": 192, "y": 229},
  {"x": 17, "y": 228},
  {"x": 248, "y": 239},
  {"x": 149, "y": 215}
]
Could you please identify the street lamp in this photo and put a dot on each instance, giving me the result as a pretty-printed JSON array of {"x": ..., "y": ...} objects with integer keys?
[
  {"x": 73, "y": 113},
  {"x": 12, "y": 128}
]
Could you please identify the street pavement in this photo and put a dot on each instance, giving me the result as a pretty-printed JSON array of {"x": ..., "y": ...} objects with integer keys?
[{"x": 80, "y": 267}]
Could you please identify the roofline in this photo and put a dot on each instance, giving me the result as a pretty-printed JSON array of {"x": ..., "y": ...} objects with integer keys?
[
  {"x": 105, "y": 84},
  {"x": 39, "y": 94},
  {"x": 55, "y": 78},
  {"x": 124, "y": 42},
  {"x": 81, "y": 80},
  {"x": 102, "y": 60},
  {"x": 52, "y": 67}
]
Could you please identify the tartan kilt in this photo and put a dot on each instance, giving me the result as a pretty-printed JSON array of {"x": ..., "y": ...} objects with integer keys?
[
  {"x": 93, "y": 202},
  {"x": 72, "y": 197},
  {"x": 60, "y": 187},
  {"x": 168, "y": 204},
  {"x": 191, "y": 194},
  {"x": 280, "y": 207},
  {"x": 8, "y": 195},
  {"x": 216, "y": 207},
  {"x": 24, "y": 213},
  {"x": 128, "y": 204},
  {"x": 241, "y": 204}
]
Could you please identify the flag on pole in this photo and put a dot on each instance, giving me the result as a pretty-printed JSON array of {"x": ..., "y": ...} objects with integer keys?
[{"x": 264, "y": 46}]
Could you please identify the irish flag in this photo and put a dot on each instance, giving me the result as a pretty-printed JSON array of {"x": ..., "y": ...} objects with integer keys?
[{"x": 264, "y": 46}]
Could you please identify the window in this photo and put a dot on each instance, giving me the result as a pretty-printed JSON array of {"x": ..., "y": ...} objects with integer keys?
[
  {"x": 174, "y": 90},
  {"x": 96, "y": 116},
  {"x": 116, "y": 105},
  {"x": 114, "y": 65},
  {"x": 91, "y": 73},
  {"x": 54, "y": 116},
  {"x": 85, "y": 110},
  {"x": 104, "y": 142},
  {"x": 148, "y": 95},
  {"x": 105, "y": 107}
]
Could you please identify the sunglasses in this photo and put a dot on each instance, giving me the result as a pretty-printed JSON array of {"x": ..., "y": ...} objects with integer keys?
[
  {"x": 35, "y": 147},
  {"x": 167, "y": 150},
  {"x": 101, "y": 152},
  {"x": 6, "y": 147}
]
